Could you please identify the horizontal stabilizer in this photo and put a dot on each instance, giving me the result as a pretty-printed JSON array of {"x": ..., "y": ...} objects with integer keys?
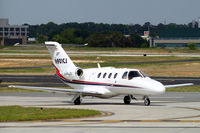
[{"x": 50, "y": 43}]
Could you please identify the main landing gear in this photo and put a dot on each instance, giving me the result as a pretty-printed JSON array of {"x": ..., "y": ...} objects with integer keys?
[
  {"x": 77, "y": 99},
  {"x": 127, "y": 100}
]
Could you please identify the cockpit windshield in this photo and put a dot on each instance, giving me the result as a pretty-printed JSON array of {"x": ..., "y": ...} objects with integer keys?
[
  {"x": 143, "y": 74},
  {"x": 133, "y": 74}
]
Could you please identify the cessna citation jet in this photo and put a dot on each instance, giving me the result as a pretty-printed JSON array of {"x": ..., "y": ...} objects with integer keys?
[{"x": 102, "y": 82}]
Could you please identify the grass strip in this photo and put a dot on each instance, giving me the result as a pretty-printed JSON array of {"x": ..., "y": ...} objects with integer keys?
[
  {"x": 18, "y": 90},
  {"x": 195, "y": 88},
  {"x": 19, "y": 113}
]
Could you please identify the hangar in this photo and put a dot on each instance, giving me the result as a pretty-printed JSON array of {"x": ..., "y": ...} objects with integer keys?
[
  {"x": 176, "y": 37},
  {"x": 175, "y": 42}
]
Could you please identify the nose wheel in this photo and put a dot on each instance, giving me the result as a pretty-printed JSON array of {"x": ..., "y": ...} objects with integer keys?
[{"x": 147, "y": 101}]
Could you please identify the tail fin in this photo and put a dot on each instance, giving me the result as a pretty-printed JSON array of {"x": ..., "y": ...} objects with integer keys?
[{"x": 60, "y": 59}]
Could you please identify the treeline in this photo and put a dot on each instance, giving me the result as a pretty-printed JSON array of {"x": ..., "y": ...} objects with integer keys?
[
  {"x": 50, "y": 29},
  {"x": 96, "y": 39},
  {"x": 108, "y": 35}
]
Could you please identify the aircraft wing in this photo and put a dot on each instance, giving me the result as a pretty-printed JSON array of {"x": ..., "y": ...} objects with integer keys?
[
  {"x": 178, "y": 85},
  {"x": 70, "y": 91}
]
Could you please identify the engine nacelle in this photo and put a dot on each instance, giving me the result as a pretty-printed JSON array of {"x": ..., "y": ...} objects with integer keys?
[{"x": 79, "y": 72}]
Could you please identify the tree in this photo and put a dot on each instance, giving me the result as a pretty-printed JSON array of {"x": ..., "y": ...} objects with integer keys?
[
  {"x": 137, "y": 41},
  {"x": 144, "y": 45},
  {"x": 71, "y": 35},
  {"x": 192, "y": 46},
  {"x": 115, "y": 39},
  {"x": 42, "y": 38}
]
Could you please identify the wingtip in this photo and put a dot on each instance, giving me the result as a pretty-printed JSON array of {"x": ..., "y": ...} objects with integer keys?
[{"x": 11, "y": 86}]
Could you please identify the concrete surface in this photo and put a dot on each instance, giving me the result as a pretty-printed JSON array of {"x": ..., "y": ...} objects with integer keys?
[{"x": 182, "y": 110}]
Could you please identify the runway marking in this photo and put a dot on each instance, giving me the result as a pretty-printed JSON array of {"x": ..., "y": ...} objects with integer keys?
[
  {"x": 124, "y": 121},
  {"x": 168, "y": 97},
  {"x": 186, "y": 117},
  {"x": 170, "y": 120},
  {"x": 103, "y": 114}
]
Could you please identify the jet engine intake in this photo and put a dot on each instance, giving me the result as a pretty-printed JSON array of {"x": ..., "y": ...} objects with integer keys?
[{"x": 79, "y": 72}]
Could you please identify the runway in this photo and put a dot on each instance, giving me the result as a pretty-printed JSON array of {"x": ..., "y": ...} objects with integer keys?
[{"x": 171, "y": 112}]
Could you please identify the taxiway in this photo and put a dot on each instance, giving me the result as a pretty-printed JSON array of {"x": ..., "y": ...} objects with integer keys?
[{"x": 171, "y": 112}]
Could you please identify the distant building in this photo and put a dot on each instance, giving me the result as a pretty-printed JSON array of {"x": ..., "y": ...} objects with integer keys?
[
  {"x": 11, "y": 34},
  {"x": 174, "y": 42},
  {"x": 32, "y": 39},
  {"x": 176, "y": 37}
]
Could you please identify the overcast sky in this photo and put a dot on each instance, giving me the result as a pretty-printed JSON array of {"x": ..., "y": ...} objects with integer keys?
[{"x": 100, "y": 11}]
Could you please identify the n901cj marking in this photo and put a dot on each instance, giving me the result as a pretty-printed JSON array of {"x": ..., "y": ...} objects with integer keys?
[{"x": 61, "y": 61}]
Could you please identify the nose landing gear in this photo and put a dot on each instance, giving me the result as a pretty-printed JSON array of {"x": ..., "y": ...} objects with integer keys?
[
  {"x": 147, "y": 101},
  {"x": 127, "y": 100}
]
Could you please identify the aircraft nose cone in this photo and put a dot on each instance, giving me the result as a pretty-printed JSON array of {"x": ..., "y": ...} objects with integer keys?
[
  {"x": 162, "y": 89},
  {"x": 159, "y": 88}
]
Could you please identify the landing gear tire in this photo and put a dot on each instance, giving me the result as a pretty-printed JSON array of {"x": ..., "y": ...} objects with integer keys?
[
  {"x": 147, "y": 101},
  {"x": 77, "y": 101},
  {"x": 127, "y": 100}
]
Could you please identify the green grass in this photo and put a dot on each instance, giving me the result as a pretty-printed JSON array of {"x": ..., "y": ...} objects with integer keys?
[
  {"x": 158, "y": 50},
  {"x": 120, "y": 59},
  {"x": 24, "y": 48},
  {"x": 22, "y": 70},
  {"x": 106, "y": 61},
  {"x": 29, "y": 71},
  {"x": 185, "y": 89},
  {"x": 22, "y": 52},
  {"x": 18, "y": 90},
  {"x": 103, "y": 58},
  {"x": 25, "y": 57},
  {"x": 19, "y": 113}
]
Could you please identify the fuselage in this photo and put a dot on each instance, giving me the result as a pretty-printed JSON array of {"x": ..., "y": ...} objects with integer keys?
[{"x": 113, "y": 81}]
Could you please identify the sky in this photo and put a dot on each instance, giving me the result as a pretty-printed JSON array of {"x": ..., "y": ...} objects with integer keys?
[{"x": 100, "y": 11}]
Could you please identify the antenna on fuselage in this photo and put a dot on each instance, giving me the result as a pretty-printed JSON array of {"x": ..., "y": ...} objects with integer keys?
[{"x": 98, "y": 65}]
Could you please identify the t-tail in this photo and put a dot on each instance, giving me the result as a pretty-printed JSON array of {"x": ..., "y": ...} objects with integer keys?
[{"x": 62, "y": 62}]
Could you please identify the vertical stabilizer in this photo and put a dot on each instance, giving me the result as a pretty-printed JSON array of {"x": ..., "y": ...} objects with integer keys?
[{"x": 60, "y": 59}]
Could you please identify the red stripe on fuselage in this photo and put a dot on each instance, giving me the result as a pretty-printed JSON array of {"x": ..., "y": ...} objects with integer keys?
[{"x": 88, "y": 82}]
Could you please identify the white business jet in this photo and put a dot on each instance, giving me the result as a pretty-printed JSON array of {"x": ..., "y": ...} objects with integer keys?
[{"x": 102, "y": 82}]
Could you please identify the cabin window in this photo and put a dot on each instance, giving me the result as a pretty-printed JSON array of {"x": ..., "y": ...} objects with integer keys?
[
  {"x": 104, "y": 75},
  {"x": 133, "y": 74},
  {"x": 99, "y": 75},
  {"x": 109, "y": 75},
  {"x": 115, "y": 76},
  {"x": 124, "y": 76}
]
